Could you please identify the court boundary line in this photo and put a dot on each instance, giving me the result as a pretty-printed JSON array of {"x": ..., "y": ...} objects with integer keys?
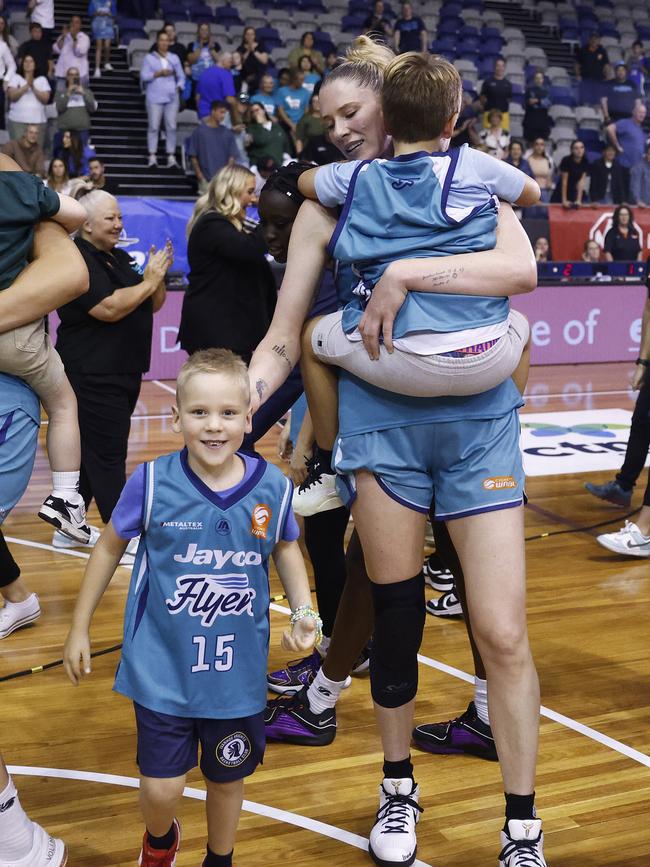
[{"x": 452, "y": 671}]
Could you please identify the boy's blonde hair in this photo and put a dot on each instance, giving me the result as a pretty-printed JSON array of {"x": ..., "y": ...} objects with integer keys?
[
  {"x": 364, "y": 64},
  {"x": 421, "y": 93},
  {"x": 213, "y": 361},
  {"x": 223, "y": 195}
]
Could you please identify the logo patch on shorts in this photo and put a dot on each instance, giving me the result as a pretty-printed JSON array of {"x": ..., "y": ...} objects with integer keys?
[
  {"x": 498, "y": 483},
  {"x": 233, "y": 750},
  {"x": 260, "y": 520}
]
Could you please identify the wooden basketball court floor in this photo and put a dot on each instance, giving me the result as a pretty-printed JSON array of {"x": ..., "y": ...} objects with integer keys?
[{"x": 73, "y": 749}]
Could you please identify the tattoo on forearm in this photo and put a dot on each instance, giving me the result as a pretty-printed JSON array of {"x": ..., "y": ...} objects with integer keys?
[
  {"x": 260, "y": 387},
  {"x": 281, "y": 350},
  {"x": 444, "y": 278}
]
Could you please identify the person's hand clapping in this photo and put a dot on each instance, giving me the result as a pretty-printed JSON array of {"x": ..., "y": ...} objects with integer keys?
[
  {"x": 157, "y": 266},
  {"x": 385, "y": 302}
]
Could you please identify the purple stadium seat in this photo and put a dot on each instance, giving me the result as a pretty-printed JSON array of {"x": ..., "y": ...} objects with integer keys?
[
  {"x": 570, "y": 34},
  {"x": 472, "y": 4},
  {"x": 467, "y": 31},
  {"x": 489, "y": 32},
  {"x": 562, "y": 96},
  {"x": 443, "y": 46},
  {"x": 264, "y": 5},
  {"x": 517, "y": 94},
  {"x": 492, "y": 45},
  {"x": 451, "y": 10},
  {"x": 608, "y": 29},
  {"x": 128, "y": 34},
  {"x": 312, "y": 6},
  {"x": 643, "y": 31},
  {"x": 471, "y": 46},
  {"x": 228, "y": 16},
  {"x": 357, "y": 7},
  {"x": 287, "y": 4},
  {"x": 269, "y": 36},
  {"x": 449, "y": 26},
  {"x": 352, "y": 23}
]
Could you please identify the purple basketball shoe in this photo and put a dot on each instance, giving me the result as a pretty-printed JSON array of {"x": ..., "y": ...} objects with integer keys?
[{"x": 466, "y": 735}]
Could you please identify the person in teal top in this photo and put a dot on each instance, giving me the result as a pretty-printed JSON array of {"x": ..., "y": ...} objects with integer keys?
[
  {"x": 292, "y": 100},
  {"x": 396, "y": 452}
]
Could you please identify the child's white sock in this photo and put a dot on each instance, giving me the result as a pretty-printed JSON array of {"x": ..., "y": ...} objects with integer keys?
[
  {"x": 481, "y": 700},
  {"x": 323, "y": 693},
  {"x": 65, "y": 484},
  {"x": 16, "y": 829}
]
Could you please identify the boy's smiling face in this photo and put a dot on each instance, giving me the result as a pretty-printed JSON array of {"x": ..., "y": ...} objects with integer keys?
[{"x": 213, "y": 415}]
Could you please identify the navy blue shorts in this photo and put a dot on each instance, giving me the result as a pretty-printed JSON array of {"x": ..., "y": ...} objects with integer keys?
[{"x": 168, "y": 746}]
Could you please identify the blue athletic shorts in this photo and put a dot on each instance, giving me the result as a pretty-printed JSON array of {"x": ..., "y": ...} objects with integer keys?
[
  {"x": 471, "y": 466},
  {"x": 168, "y": 746},
  {"x": 18, "y": 437}
]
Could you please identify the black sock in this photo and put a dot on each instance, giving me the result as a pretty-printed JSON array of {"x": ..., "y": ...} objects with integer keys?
[
  {"x": 165, "y": 842},
  {"x": 520, "y": 807},
  {"x": 398, "y": 770},
  {"x": 212, "y": 860},
  {"x": 324, "y": 459}
]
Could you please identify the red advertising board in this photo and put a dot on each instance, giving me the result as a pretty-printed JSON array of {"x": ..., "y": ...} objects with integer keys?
[{"x": 571, "y": 228}]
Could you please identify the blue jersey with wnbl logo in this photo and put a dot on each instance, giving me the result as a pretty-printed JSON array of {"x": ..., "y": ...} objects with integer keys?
[{"x": 196, "y": 626}]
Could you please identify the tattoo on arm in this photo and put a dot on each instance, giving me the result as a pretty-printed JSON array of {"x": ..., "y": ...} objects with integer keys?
[
  {"x": 260, "y": 387},
  {"x": 445, "y": 277},
  {"x": 281, "y": 351}
]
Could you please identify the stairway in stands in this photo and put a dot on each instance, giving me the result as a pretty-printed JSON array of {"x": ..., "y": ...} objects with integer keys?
[
  {"x": 558, "y": 53},
  {"x": 119, "y": 126}
]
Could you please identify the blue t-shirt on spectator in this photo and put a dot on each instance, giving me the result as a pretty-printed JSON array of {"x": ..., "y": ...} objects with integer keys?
[
  {"x": 294, "y": 100},
  {"x": 632, "y": 139},
  {"x": 214, "y": 83},
  {"x": 311, "y": 80},
  {"x": 410, "y": 39},
  {"x": 268, "y": 100},
  {"x": 621, "y": 97}
]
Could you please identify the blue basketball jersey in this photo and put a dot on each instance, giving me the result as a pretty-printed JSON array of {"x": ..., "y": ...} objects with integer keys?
[
  {"x": 20, "y": 417},
  {"x": 398, "y": 209},
  {"x": 196, "y": 625}
]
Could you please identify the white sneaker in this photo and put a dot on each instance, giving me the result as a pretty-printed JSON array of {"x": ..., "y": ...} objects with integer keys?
[
  {"x": 392, "y": 838},
  {"x": 629, "y": 541},
  {"x": 523, "y": 844},
  {"x": 171, "y": 162},
  {"x": 97, "y": 73},
  {"x": 153, "y": 162},
  {"x": 68, "y": 514},
  {"x": 317, "y": 493},
  {"x": 14, "y": 615},
  {"x": 46, "y": 851},
  {"x": 447, "y": 605},
  {"x": 108, "y": 67}
]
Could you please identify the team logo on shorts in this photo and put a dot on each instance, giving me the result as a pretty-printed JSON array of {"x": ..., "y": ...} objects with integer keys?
[
  {"x": 233, "y": 750},
  {"x": 498, "y": 483},
  {"x": 222, "y": 527},
  {"x": 260, "y": 520}
]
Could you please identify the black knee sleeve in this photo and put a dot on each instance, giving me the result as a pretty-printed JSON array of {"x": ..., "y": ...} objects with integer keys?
[
  {"x": 9, "y": 569},
  {"x": 399, "y": 623}
]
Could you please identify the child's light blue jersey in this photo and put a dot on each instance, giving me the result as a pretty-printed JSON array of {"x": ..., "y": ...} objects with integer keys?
[
  {"x": 196, "y": 627},
  {"x": 417, "y": 206}
]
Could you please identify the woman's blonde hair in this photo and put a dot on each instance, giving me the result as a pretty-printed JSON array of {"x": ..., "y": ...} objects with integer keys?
[
  {"x": 364, "y": 63},
  {"x": 223, "y": 195}
]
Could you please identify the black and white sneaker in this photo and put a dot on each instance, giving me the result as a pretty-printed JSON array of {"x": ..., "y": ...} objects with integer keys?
[
  {"x": 522, "y": 844},
  {"x": 447, "y": 605},
  {"x": 317, "y": 493},
  {"x": 436, "y": 575},
  {"x": 392, "y": 838},
  {"x": 67, "y": 515}
]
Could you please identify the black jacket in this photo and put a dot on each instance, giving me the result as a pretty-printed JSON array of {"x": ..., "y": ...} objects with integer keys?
[{"x": 599, "y": 172}]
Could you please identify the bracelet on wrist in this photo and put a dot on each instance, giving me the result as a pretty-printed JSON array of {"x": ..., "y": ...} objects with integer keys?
[
  {"x": 644, "y": 362},
  {"x": 303, "y": 611}
]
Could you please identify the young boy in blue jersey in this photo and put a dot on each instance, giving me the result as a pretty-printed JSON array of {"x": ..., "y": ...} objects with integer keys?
[
  {"x": 196, "y": 626},
  {"x": 424, "y": 202}
]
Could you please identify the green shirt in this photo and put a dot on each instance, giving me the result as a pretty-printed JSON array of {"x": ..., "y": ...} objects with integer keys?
[{"x": 24, "y": 200}]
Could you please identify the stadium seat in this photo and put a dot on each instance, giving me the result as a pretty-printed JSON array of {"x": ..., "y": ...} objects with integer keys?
[
  {"x": 562, "y": 95},
  {"x": 562, "y": 114},
  {"x": 152, "y": 26},
  {"x": 352, "y": 23},
  {"x": 228, "y": 15},
  {"x": 558, "y": 76},
  {"x": 136, "y": 51},
  {"x": 466, "y": 68},
  {"x": 269, "y": 36}
]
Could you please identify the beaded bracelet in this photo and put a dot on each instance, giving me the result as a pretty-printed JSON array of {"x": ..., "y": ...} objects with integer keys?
[{"x": 307, "y": 611}]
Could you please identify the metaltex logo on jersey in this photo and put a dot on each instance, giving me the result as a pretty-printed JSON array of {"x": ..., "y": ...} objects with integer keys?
[{"x": 574, "y": 442}]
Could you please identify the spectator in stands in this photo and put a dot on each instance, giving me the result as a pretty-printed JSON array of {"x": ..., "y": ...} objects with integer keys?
[
  {"x": 497, "y": 93},
  {"x": 310, "y": 125},
  {"x": 74, "y": 105},
  {"x": 42, "y": 12},
  {"x": 7, "y": 72},
  {"x": 40, "y": 49},
  {"x": 311, "y": 78},
  {"x": 217, "y": 83},
  {"x": 574, "y": 171},
  {"x": 162, "y": 77},
  {"x": 203, "y": 52},
  {"x": 495, "y": 139},
  {"x": 378, "y": 23},
  {"x": 516, "y": 158},
  {"x": 608, "y": 179},
  {"x": 103, "y": 14},
  {"x": 306, "y": 46},
  {"x": 265, "y": 138},
  {"x": 591, "y": 252},
  {"x": 620, "y": 97},
  {"x": 7, "y": 38},
  {"x": 466, "y": 130},
  {"x": 542, "y": 250},
  {"x": 331, "y": 61},
  {"x": 640, "y": 181},
  {"x": 27, "y": 152},
  {"x": 175, "y": 47},
  {"x": 543, "y": 167},
  {"x": 266, "y": 96},
  {"x": 211, "y": 146},
  {"x": 537, "y": 123},
  {"x": 629, "y": 137},
  {"x": 320, "y": 150},
  {"x": 255, "y": 58},
  {"x": 97, "y": 176},
  {"x": 283, "y": 77},
  {"x": 590, "y": 59},
  {"x": 622, "y": 240},
  {"x": 292, "y": 101},
  {"x": 58, "y": 178},
  {"x": 69, "y": 147},
  {"x": 28, "y": 95},
  {"x": 638, "y": 66},
  {"x": 410, "y": 32},
  {"x": 72, "y": 47}
]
